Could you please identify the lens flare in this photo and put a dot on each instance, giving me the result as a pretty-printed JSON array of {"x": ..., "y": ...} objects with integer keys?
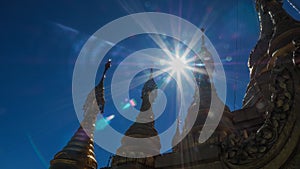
[
  {"x": 37, "y": 151},
  {"x": 228, "y": 58},
  {"x": 126, "y": 106},
  {"x": 132, "y": 102},
  {"x": 103, "y": 122}
]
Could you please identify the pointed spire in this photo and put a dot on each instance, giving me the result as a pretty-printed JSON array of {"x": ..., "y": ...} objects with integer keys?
[
  {"x": 199, "y": 107},
  {"x": 203, "y": 38},
  {"x": 143, "y": 128},
  {"x": 150, "y": 84},
  {"x": 205, "y": 54},
  {"x": 203, "y": 50},
  {"x": 203, "y": 65},
  {"x": 79, "y": 152},
  {"x": 151, "y": 73},
  {"x": 203, "y": 47},
  {"x": 148, "y": 87}
]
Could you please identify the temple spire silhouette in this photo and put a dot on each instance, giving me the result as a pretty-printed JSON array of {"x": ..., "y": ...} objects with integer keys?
[
  {"x": 142, "y": 128},
  {"x": 79, "y": 151}
]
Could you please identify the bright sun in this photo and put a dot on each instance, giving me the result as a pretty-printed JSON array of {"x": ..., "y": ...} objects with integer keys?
[{"x": 178, "y": 64}]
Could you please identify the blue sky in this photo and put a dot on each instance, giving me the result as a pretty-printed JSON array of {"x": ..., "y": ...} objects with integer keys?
[{"x": 40, "y": 41}]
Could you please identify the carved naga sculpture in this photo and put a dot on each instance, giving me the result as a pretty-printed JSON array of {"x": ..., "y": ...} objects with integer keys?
[{"x": 275, "y": 143}]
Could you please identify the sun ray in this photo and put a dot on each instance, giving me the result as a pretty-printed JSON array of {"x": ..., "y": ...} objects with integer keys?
[
  {"x": 195, "y": 39},
  {"x": 141, "y": 79}
]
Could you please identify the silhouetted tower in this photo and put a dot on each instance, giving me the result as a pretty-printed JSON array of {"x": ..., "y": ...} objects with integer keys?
[
  {"x": 204, "y": 66},
  {"x": 79, "y": 152},
  {"x": 142, "y": 128}
]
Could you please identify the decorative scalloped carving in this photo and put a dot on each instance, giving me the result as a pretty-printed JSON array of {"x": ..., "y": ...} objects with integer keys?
[{"x": 246, "y": 150}]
